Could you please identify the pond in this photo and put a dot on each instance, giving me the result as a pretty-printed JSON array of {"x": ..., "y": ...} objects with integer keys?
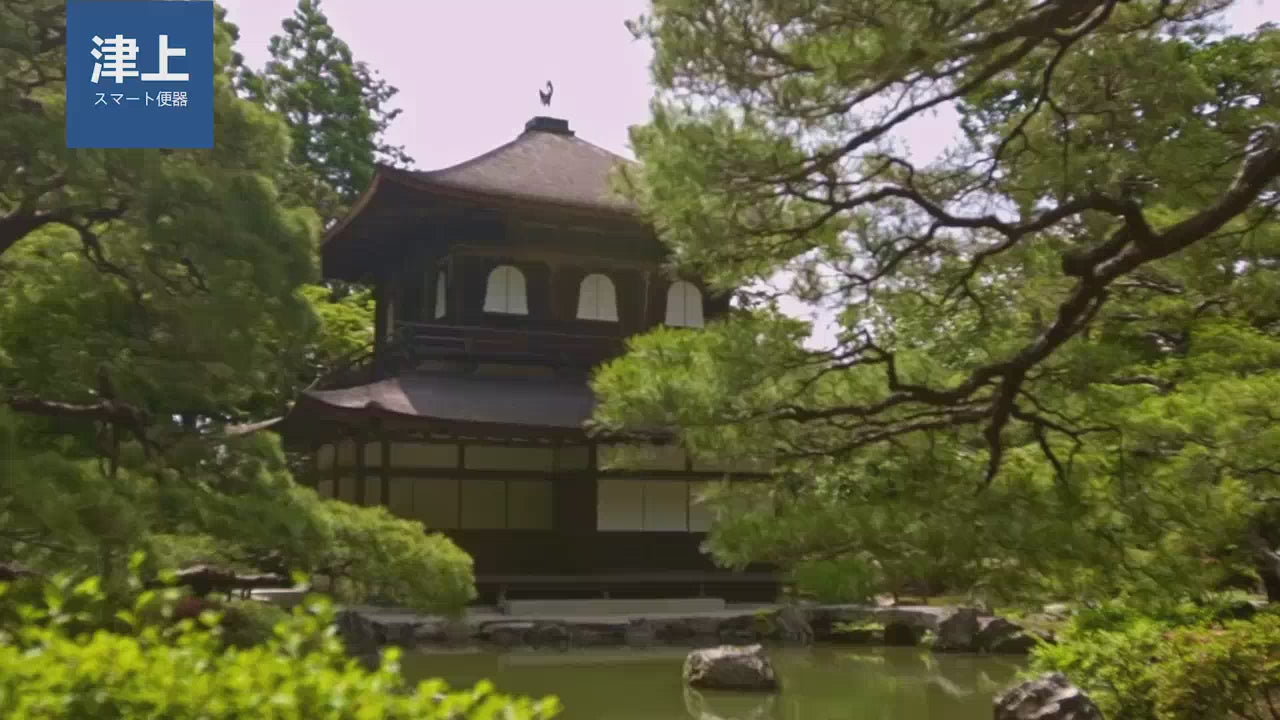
[{"x": 821, "y": 683}]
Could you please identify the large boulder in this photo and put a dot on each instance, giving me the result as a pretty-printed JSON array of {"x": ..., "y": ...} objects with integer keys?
[
  {"x": 359, "y": 634},
  {"x": 507, "y": 633},
  {"x": 957, "y": 631},
  {"x": 730, "y": 667},
  {"x": 1002, "y": 637},
  {"x": 1048, "y": 697},
  {"x": 897, "y": 633},
  {"x": 791, "y": 625}
]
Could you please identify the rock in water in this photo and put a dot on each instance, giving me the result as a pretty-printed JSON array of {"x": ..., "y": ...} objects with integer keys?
[
  {"x": 957, "y": 632},
  {"x": 998, "y": 635},
  {"x": 730, "y": 667},
  {"x": 1048, "y": 697}
]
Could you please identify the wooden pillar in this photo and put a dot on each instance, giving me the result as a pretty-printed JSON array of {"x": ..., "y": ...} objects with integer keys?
[
  {"x": 386, "y": 472},
  {"x": 313, "y": 479},
  {"x": 455, "y": 309},
  {"x": 555, "y": 271},
  {"x": 379, "y": 326},
  {"x": 647, "y": 301},
  {"x": 335, "y": 470},
  {"x": 360, "y": 469}
]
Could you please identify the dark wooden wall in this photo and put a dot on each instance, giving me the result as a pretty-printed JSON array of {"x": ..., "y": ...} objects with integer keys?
[
  {"x": 552, "y": 284},
  {"x": 535, "y": 552}
]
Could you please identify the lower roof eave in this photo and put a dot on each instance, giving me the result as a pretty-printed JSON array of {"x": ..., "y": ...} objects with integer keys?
[{"x": 312, "y": 421}]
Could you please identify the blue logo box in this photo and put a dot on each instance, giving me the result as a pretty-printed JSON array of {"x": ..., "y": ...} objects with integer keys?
[{"x": 139, "y": 73}]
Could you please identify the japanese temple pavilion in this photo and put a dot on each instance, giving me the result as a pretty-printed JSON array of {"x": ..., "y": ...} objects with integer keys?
[{"x": 499, "y": 284}]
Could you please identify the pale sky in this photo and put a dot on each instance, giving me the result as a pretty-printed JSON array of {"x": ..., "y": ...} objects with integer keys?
[{"x": 469, "y": 70}]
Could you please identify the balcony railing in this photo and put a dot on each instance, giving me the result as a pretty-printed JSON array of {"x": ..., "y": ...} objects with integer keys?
[{"x": 415, "y": 342}]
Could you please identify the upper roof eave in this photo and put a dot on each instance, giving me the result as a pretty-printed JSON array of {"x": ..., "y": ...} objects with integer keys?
[{"x": 443, "y": 189}]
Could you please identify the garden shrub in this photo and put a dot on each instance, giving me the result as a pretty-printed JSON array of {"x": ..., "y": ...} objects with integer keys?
[
  {"x": 62, "y": 658},
  {"x": 1181, "y": 662},
  {"x": 1112, "y": 664},
  {"x": 1230, "y": 672},
  {"x": 250, "y": 622}
]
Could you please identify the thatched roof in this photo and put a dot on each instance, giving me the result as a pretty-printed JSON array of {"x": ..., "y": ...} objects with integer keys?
[
  {"x": 547, "y": 170},
  {"x": 546, "y": 163}
]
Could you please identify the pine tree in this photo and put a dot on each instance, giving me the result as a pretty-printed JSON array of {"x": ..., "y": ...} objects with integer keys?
[
  {"x": 337, "y": 109},
  {"x": 1057, "y": 354}
]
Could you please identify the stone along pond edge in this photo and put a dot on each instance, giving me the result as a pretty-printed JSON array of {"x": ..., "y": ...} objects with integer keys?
[{"x": 944, "y": 629}]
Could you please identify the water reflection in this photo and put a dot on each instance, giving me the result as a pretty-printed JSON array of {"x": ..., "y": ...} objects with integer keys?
[{"x": 817, "y": 683}]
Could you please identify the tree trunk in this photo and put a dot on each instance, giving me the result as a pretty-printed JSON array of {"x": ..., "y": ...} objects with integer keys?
[
  {"x": 1270, "y": 580},
  {"x": 1267, "y": 564}
]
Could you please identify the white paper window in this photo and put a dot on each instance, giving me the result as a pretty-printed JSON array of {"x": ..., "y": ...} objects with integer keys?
[
  {"x": 619, "y": 504},
  {"x": 373, "y": 454},
  {"x": 499, "y": 457},
  {"x": 372, "y": 490},
  {"x": 666, "y": 505},
  {"x": 505, "y": 291},
  {"x": 347, "y": 488},
  {"x": 435, "y": 502},
  {"x": 484, "y": 504},
  {"x": 424, "y": 455},
  {"x": 651, "y": 505},
  {"x": 684, "y": 305},
  {"x": 346, "y": 453},
  {"x": 699, "y": 514},
  {"x": 597, "y": 299},
  {"x": 324, "y": 457},
  {"x": 441, "y": 295},
  {"x": 529, "y": 504},
  {"x": 324, "y": 488},
  {"x": 400, "y": 498}
]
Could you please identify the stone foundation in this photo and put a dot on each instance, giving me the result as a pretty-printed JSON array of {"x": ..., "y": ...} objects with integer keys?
[{"x": 947, "y": 629}]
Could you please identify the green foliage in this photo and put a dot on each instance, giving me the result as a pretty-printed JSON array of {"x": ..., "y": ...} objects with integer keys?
[
  {"x": 370, "y": 553},
  {"x": 1055, "y": 354},
  {"x": 139, "y": 306},
  {"x": 337, "y": 110},
  {"x": 1184, "y": 662},
  {"x": 148, "y": 299},
  {"x": 850, "y": 579},
  {"x": 1230, "y": 672},
  {"x": 1112, "y": 665},
  {"x": 246, "y": 623},
  {"x": 343, "y": 334},
  {"x": 153, "y": 661},
  {"x": 362, "y": 553}
]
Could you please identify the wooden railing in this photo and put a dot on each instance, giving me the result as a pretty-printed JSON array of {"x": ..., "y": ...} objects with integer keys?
[{"x": 414, "y": 342}]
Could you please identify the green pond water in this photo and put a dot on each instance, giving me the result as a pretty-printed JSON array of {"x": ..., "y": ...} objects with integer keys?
[{"x": 817, "y": 683}]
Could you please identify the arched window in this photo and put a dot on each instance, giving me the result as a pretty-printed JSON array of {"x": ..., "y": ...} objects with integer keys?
[
  {"x": 684, "y": 305},
  {"x": 597, "y": 300},
  {"x": 441, "y": 294},
  {"x": 505, "y": 291}
]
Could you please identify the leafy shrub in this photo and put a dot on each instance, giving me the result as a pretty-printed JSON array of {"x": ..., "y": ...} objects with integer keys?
[
  {"x": 1181, "y": 662},
  {"x": 850, "y": 579},
  {"x": 1113, "y": 664},
  {"x": 250, "y": 622},
  {"x": 55, "y": 664},
  {"x": 1232, "y": 672},
  {"x": 372, "y": 553},
  {"x": 366, "y": 553}
]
